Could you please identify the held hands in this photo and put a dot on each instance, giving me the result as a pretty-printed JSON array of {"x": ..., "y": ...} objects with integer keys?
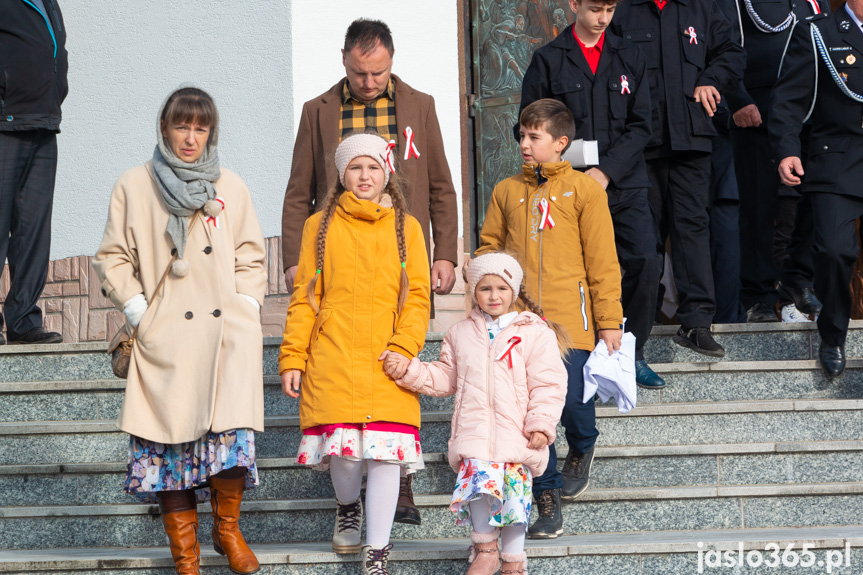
[
  {"x": 538, "y": 440},
  {"x": 291, "y": 382},
  {"x": 747, "y": 117},
  {"x": 612, "y": 338},
  {"x": 442, "y": 277},
  {"x": 599, "y": 176},
  {"x": 395, "y": 364},
  {"x": 790, "y": 170},
  {"x": 709, "y": 98}
]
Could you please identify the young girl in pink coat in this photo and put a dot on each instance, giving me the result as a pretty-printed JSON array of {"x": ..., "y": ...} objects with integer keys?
[{"x": 509, "y": 381}]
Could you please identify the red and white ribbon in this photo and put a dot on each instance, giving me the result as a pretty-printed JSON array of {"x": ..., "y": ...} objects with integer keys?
[
  {"x": 389, "y": 157},
  {"x": 693, "y": 37},
  {"x": 215, "y": 219},
  {"x": 410, "y": 147},
  {"x": 507, "y": 353},
  {"x": 545, "y": 220},
  {"x": 624, "y": 85},
  {"x": 816, "y": 9}
]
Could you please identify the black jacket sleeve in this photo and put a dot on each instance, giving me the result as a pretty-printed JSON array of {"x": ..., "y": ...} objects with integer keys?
[{"x": 726, "y": 59}]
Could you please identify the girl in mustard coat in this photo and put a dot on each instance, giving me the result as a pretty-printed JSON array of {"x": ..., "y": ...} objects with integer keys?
[{"x": 361, "y": 295}]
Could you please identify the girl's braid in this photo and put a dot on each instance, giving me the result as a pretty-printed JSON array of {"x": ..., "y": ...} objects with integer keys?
[
  {"x": 400, "y": 206},
  {"x": 564, "y": 343},
  {"x": 321, "y": 242}
]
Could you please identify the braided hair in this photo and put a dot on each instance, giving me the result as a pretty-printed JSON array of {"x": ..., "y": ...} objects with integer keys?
[{"x": 564, "y": 342}]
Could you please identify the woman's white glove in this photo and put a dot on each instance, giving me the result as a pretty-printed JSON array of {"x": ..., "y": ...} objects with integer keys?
[
  {"x": 134, "y": 309},
  {"x": 251, "y": 300}
]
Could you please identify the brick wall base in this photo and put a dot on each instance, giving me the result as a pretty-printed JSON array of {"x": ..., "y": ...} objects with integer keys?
[{"x": 73, "y": 305}]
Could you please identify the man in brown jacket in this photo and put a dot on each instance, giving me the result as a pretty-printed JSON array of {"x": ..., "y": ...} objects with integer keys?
[{"x": 371, "y": 97}]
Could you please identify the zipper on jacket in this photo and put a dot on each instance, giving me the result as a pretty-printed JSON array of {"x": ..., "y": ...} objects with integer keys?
[
  {"x": 583, "y": 304},
  {"x": 48, "y": 24}
]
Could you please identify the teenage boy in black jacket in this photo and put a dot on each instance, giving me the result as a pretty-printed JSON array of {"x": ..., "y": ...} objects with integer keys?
[
  {"x": 601, "y": 79},
  {"x": 691, "y": 58},
  {"x": 32, "y": 87}
]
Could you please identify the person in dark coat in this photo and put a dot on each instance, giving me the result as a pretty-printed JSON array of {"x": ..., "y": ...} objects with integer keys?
[
  {"x": 33, "y": 85},
  {"x": 820, "y": 80},
  {"x": 691, "y": 58}
]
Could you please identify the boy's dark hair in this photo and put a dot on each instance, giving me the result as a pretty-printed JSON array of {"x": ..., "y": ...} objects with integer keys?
[
  {"x": 604, "y": 2},
  {"x": 365, "y": 34},
  {"x": 551, "y": 116}
]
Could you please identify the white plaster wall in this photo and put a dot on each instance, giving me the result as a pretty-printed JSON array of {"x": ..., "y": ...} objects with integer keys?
[{"x": 260, "y": 60}]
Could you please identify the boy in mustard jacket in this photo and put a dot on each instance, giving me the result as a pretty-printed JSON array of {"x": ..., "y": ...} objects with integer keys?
[{"x": 556, "y": 222}]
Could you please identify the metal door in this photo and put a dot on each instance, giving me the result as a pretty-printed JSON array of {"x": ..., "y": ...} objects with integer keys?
[{"x": 504, "y": 35}]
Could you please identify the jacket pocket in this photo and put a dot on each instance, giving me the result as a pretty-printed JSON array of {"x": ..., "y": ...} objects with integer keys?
[
  {"x": 323, "y": 316},
  {"x": 702, "y": 124},
  {"x": 570, "y": 90},
  {"x": 825, "y": 161},
  {"x": 583, "y": 304},
  {"x": 618, "y": 99},
  {"x": 646, "y": 39}
]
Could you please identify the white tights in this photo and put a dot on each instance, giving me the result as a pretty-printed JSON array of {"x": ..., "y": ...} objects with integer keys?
[
  {"x": 382, "y": 493},
  {"x": 511, "y": 538}
]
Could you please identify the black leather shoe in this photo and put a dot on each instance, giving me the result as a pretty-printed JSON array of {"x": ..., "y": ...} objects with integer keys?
[
  {"x": 550, "y": 522},
  {"x": 406, "y": 510},
  {"x": 37, "y": 335},
  {"x": 698, "y": 339},
  {"x": 832, "y": 359},
  {"x": 576, "y": 474},
  {"x": 2, "y": 339},
  {"x": 646, "y": 377},
  {"x": 761, "y": 313},
  {"x": 805, "y": 299}
]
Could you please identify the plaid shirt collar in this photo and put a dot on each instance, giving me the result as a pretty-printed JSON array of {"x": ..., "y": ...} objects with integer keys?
[{"x": 390, "y": 92}]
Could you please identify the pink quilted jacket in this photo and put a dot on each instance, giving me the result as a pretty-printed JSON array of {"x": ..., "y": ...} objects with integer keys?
[{"x": 497, "y": 407}]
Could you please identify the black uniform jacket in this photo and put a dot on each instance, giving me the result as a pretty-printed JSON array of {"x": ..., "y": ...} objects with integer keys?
[
  {"x": 678, "y": 61},
  {"x": 617, "y": 118},
  {"x": 836, "y": 142},
  {"x": 32, "y": 66},
  {"x": 764, "y": 50}
]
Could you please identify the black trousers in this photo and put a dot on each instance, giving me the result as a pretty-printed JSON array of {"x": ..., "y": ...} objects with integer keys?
[
  {"x": 835, "y": 251},
  {"x": 724, "y": 224},
  {"x": 635, "y": 237},
  {"x": 28, "y": 166},
  {"x": 759, "y": 186},
  {"x": 679, "y": 196}
]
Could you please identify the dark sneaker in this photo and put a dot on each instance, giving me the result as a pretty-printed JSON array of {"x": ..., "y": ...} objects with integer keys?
[
  {"x": 550, "y": 522},
  {"x": 406, "y": 510},
  {"x": 646, "y": 378},
  {"x": 804, "y": 299},
  {"x": 761, "y": 313},
  {"x": 37, "y": 335},
  {"x": 576, "y": 474},
  {"x": 698, "y": 339}
]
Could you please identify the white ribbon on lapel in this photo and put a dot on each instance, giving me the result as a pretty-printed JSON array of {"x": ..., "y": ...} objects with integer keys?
[{"x": 410, "y": 147}]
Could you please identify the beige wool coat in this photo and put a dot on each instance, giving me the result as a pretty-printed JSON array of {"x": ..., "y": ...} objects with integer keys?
[{"x": 196, "y": 365}]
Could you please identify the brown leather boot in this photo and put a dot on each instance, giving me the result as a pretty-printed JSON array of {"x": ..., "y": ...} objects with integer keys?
[
  {"x": 180, "y": 518},
  {"x": 484, "y": 558},
  {"x": 406, "y": 510},
  {"x": 226, "y": 496}
]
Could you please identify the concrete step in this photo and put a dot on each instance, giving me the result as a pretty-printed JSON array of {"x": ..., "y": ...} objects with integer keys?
[
  {"x": 658, "y": 424},
  {"x": 671, "y": 553},
  {"x": 687, "y": 382},
  {"x": 717, "y": 466},
  {"x": 597, "y": 511}
]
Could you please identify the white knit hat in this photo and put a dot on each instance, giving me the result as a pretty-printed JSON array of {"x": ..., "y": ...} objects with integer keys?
[
  {"x": 499, "y": 264},
  {"x": 370, "y": 145}
]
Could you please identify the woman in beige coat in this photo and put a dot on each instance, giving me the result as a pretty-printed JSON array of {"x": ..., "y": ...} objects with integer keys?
[{"x": 194, "y": 393}]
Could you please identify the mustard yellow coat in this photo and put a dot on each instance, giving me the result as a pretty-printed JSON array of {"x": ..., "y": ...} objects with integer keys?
[{"x": 357, "y": 291}]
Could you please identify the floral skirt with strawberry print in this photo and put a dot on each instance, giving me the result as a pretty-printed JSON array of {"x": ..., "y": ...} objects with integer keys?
[
  {"x": 378, "y": 441},
  {"x": 508, "y": 484}
]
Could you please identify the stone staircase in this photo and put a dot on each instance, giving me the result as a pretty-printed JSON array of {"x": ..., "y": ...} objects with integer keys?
[{"x": 755, "y": 449}]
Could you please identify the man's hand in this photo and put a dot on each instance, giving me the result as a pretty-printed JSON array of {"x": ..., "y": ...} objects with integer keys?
[
  {"x": 290, "y": 275},
  {"x": 599, "y": 176},
  {"x": 291, "y": 382},
  {"x": 538, "y": 440},
  {"x": 747, "y": 117},
  {"x": 612, "y": 338},
  {"x": 790, "y": 170},
  {"x": 709, "y": 98},
  {"x": 395, "y": 364},
  {"x": 442, "y": 277}
]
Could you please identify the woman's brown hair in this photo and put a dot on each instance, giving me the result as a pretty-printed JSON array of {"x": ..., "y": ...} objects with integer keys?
[
  {"x": 192, "y": 106},
  {"x": 563, "y": 340}
]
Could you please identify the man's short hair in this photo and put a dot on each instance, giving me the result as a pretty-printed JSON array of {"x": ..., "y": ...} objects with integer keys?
[
  {"x": 603, "y": 2},
  {"x": 551, "y": 116},
  {"x": 365, "y": 35}
]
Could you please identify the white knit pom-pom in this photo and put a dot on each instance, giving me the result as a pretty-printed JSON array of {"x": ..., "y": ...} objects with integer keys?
[
  {"x": 212, "y": 208},
  {"x": 181, "y": 268}
]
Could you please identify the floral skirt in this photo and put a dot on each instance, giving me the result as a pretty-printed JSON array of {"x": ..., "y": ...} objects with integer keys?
[
  {"x": 509, "y": 486},
  {"x": 378, "y": 441},
  {"x": 155, "y": 467}
]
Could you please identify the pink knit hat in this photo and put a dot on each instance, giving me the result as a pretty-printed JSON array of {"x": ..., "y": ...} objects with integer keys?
[
  {"x": 499, "y": 264},
  {"x": 371, "y": 145}
]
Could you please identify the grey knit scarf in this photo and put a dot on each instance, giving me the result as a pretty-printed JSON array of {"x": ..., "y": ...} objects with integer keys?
[{"x": 185, "y": 187}]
